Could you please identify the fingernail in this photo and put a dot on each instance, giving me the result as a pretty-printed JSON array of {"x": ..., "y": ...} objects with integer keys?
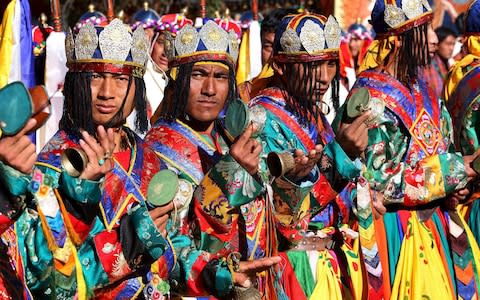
[{"x": 247, "y": 283}]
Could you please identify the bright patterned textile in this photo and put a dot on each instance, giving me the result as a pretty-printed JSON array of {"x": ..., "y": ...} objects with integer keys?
[
  {"x": 11, "y": 207},
  {"x": 86, "y": 238},
  {"x": 409, "y": 167}
]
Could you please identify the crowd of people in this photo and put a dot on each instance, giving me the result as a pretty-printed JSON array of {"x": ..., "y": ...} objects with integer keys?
[{"x": 347, "y": 169}]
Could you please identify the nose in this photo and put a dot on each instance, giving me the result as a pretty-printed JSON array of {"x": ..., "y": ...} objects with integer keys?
[
  {"x": 322, "y": 73},
  {"x": 208, "y": 87},
  {"x": 107, "y": 89}
]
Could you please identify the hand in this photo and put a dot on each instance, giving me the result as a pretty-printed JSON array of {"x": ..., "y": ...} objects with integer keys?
[
  {"x": 249, "y": 269},
  {"x": 246, "y": 150},
  {"x": 459, "y": 196},
  {"x": 353, "y": 138},
  {"x": 377, "y": 202},
  {"x": 467, "y": 162},
  {"x": 99, "y": 154},
  {"x": 18, "y": 151},
  {"x": 304, "y": 163},
  {"x": 160, "y": 217}
]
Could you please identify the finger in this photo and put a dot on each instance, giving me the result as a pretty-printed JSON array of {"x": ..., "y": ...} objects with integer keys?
[
  {"x": 298, "y": 153},
  {"x": 162, "y": 210},
  {"x": 259, "y": 265},
  {"x": 111, "y": 139},
  {"x": 103, "y": 139},
  {"x": 92, "y": 156},
  {"x": 463, "y": 192},
  {"x": 246, "y": 135},
  {"x": 257, "y": 150},
  {"x": 29, "y": 126},
  {"x": 361, "y": 119},
  {"x": 94, "y": 145},
  {"x": 160, "y": 221},
  {"x": 22, "y": 143}
]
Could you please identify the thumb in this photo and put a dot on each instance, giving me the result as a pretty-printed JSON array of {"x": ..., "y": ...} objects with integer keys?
[
  {"x": 361, "y": 119},
  {"x": 28, "y": 126}
]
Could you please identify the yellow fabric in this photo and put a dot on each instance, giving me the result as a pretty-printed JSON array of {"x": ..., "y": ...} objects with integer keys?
[
  {"x": 420, "y": 273},
  {"x": 6, "y": 42},
  {"x": 328, "y": 280},
  {"x": 377, "y": 52},
  {"x": 457, "y": 71},
  {"x": 243, "y": 65},
  {"x": 217, "y": 63}
]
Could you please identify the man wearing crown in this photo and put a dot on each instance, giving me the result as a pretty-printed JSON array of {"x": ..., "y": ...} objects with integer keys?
[
  {"x": 305, "y": 63},
  {"x": 209, "y": 234},
  {"x": 463, "y": 90},
  {"x": 92, "y": 235},
  {"x": 413, "y": 241}
]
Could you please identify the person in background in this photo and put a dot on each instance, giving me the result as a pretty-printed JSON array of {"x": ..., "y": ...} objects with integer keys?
[{"x": 353, "y": 49}]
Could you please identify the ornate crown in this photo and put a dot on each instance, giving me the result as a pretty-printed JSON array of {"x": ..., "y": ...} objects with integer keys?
[
  {"x": 393, "y": 17},
  {"x": 111, "y": 49},
  {"x": 307, "y": 37},
  {"x": 207, "y": 43}
]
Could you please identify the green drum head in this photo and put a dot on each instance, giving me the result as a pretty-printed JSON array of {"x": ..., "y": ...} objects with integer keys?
[
  {"x": 358, "y": 103},
  {"x": 236, "y": 118},
  {"x": 162, "y": 188},
  {"x": 16, "y": 107}
]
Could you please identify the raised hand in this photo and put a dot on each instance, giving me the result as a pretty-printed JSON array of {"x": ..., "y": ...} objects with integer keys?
[
  {"x": 99, "y": 153},
  {"x": 18, "y": 151},
  {"x": 304, "y": 163},
  {"x": 160, "y": 217},
  {"x": 353, "y": 138},
  {"x": 246, "y": 150}
]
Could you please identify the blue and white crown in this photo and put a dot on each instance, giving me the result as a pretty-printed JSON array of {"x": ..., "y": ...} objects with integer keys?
[{"x": 112, "y": 49}]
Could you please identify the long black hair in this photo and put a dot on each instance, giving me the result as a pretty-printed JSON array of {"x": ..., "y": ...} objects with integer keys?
[
  {"x": 413, "y": 54},
  {"x": 177, "y": 91},
  {"x": 300, "y": 91},
  {"x": 77, "y": 106}
]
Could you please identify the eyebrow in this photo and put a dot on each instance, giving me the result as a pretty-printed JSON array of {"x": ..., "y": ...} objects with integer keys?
[{"x": 206, "y": 71}]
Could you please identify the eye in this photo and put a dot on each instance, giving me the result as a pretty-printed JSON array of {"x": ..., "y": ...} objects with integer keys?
[
  {"x": 96, "y": 76},
  {"x": 122, "y": 78},
  {"x": 197, "y": 74}
]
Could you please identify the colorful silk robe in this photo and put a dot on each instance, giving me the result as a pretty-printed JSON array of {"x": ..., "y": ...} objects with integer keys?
[
  {"x": 226, "y": 202},
  {"x": 319, "y": 273},
  {"x": 12, "y": 205},
  {"x": 416, "y": 247},
  {"x": 191, "y": 155},
  {"x": 87, "y": 235},
  {"x": 464, "y": 107}
]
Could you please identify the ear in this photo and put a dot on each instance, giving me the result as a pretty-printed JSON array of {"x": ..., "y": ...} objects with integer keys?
[{"x": 277, "y": 68}]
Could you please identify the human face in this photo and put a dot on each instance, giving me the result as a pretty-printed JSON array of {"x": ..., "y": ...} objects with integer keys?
[
  {"x": 267, "y": 46},
  {"x": 158, "y": 52},
  {"x": 432, "y": 41},
  {"x": 355, "y": 45},
  {"x": 322, "y": 75},
  {"x": 108, "y": 92},
  {"x": 208, "y": 92},
  {"x": 445, "y": 47}
]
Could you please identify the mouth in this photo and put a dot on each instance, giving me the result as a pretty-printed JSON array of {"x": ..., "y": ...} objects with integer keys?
[
  {"x": 207, "y": 103},
  {"x": 320, "y": 91},
  {"x": 105, "y": 109}
]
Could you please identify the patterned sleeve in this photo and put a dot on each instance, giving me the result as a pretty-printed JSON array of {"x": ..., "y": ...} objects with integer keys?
[
  {"x": 12, "y": 195},
  {"x": 417, "y": 182}
]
